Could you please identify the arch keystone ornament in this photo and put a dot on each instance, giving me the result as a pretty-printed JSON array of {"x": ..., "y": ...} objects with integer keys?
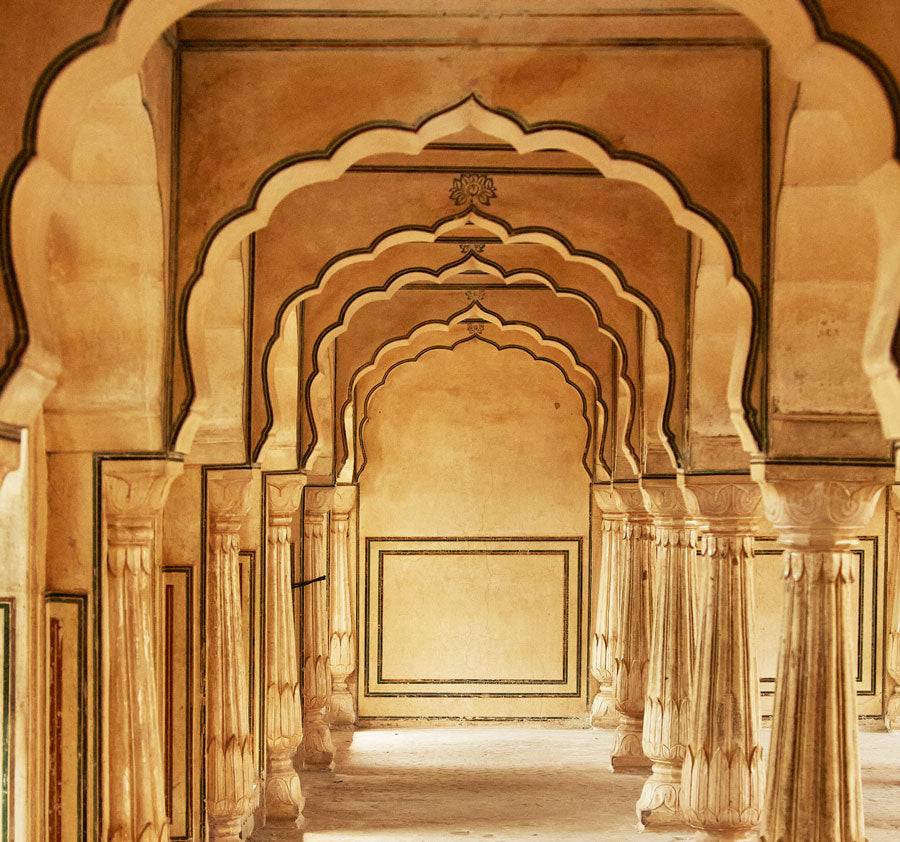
[
  {"x": 667, "y": 713},
  {"x": 134, "y": 493},
  {"x": 813, "y": 791},
  {"x": 722, "y": 774},
  {"x": 231, "y": 775},
  {"x": 284, "y": 714}
]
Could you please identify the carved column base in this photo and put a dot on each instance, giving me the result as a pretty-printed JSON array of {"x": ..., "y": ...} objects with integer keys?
[
  {"x": 341, "y": 713},
  {"x": 706, "y": 785},
  {"x": 628, "y": 752},
  {"x": 318, "y": 747},
  {"x": 660, "y": 802},
  {"x": 603, "y": 708},
  {"x": 284, "y": 799},
  {"x": 225, "y": 829},
  {"x": 726, "y": 836}
]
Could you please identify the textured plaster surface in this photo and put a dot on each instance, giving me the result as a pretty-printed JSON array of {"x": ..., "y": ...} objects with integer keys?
[{"x": 512, "y": 783}]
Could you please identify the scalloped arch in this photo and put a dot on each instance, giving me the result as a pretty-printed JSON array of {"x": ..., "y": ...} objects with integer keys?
[
  {"x": 445, "y": 327},
  {"x": 797, "y": 30},
  {"x": 400, "y": 279}
]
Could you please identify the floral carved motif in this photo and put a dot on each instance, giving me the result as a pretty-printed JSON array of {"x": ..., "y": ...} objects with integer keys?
[{"x": 469, "y": 188}]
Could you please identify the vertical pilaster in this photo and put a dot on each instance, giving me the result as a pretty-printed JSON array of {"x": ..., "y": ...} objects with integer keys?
[
  {"x": 632, "y": 641},
  {"x": 669, "y": 683},
  {"x": 892, "y": 706},
  {"x": 341, "y": 620},
  {"x": 318, "y": 747},
  {"x": 134, "y": 493},
  {"x": 284, "y": 728},
  {"x": 603, "y": 643},
  {"x": 722, "y": 776},
  {"x": 231, "y": 776},
  {"x": 813, "y": 791}
]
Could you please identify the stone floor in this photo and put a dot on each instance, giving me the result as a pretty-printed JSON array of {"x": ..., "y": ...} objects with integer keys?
[{"x": 512, "y": 783}]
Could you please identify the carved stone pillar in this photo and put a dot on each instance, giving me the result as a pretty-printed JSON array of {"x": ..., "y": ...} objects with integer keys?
[
  {"x": 229, "y": 747},
  {"x": 134, "y": 493},
  {"x": 318, "y": 748},
  {"x": 722, "y": 776},
  {"x": 603, "y": 642},
  {"x": 669, "y": 682},
  {"x": 284, "y": 717},
  {"x": 892, "y": 708},
  {"x": 813, "y": 791},
  {"x": 632, "y": 642},
  {"x": 342, "y": 626}
]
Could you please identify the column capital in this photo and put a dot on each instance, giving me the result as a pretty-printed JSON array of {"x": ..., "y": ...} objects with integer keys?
[
  {"x": 344, "y": 500},
  {"x": 318, "y": 499},
  {"x": 663, "y": 499},
  {"x": 626, "y": 498},
  {"x": 137, "y": 489},
  {"x": 820, "y": 507},
  {"x": 283, "y": 494},
  {"x": 228, "y": 497},
  {"x": 721, "y": 501}
]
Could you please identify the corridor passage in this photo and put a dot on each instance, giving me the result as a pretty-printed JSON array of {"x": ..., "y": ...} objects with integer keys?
[{"x": 512, "y": 783}]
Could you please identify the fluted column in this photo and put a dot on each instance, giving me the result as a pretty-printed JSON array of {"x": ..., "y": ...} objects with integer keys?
[
  {"x": 134, "y": 493},
  {"x": 722, "y": 776},
  {"x": 603, "y": 642},
  {"x": 632, "y": 642},
  {"x": 284, "y": 729},
  {"x": 813, "y": 790},
  {"x": 318, "y": 747},
  {"x": 669, "y": 682},
  {"x": 892, "y": 708},
  {"x": 342, "y": 628},
  {"x": 231, "y": 775}
]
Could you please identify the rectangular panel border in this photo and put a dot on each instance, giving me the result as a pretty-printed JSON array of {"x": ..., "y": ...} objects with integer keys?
[
  {"x": 576, "y": 540},
  {"x": 7, "y": 624},
  {"x": 80, "y": 601},
  {"x": 188, "y": 573},
  {"x": 866, "y": 556}
]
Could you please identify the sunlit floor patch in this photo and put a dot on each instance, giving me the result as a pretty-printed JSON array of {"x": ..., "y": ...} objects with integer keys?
[{"x": 509, "y": 784}]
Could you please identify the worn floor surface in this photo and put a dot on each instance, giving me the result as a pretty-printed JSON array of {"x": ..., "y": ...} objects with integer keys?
[{"x": 512, "y": 783}]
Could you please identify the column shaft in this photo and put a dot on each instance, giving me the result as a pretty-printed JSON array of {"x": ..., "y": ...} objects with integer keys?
[
  {"x": 133, "y": 498},
  {"x": 603, "y": 644},
  {"x": 318, "y": 747},
  {"x": 231, "y": 776},
  {"x": 813, "y": 790},
  {"x": 342, "y": 625},
  {"x": 632, "y": 641},
  {"x": 284, "y": 730}
]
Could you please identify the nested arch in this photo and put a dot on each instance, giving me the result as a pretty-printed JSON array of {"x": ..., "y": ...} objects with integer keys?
[
  {"x": 797, "y": 30},
  {"x": 317, "y": 380},
  {"x": 450, "y": 346}
]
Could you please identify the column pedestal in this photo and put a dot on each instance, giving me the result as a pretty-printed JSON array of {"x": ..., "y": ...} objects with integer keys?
[
  {"x": 892, "y": 706},
  {"x": 813, "y": 792}
]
